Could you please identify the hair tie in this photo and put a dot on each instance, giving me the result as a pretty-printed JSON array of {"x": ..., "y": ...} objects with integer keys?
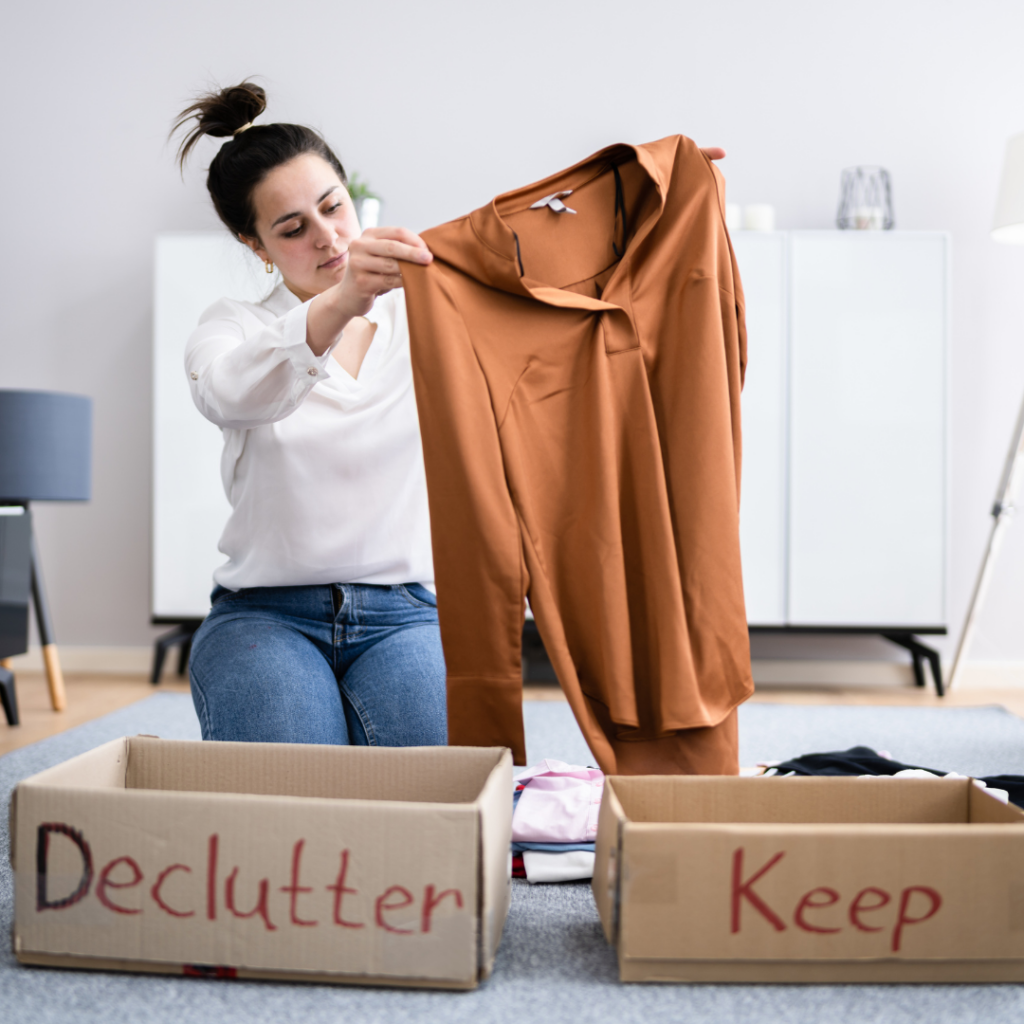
[{"x": 245, "y": 127}]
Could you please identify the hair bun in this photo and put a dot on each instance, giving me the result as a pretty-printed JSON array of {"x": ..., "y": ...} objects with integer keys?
[{"x": 220, "y": 114}]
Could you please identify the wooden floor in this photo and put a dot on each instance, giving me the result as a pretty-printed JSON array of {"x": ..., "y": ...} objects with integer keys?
[{"x": 90, "y": 696}]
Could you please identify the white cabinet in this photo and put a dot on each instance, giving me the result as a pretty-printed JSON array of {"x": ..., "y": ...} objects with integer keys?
[
  {"x": 843, "y": 520},
  {"x": 763, "y": 498},
  {"x": 189, "y": 506}
]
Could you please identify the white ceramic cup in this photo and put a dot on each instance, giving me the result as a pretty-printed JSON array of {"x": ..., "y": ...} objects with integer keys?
[
  {"x": 369, "y": 213},
  {"x": 759, "y": 217},
  {"x": 869, "y": 218}
]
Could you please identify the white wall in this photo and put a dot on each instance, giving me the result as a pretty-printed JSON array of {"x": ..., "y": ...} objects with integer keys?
[{"x": 441, "y": 105}]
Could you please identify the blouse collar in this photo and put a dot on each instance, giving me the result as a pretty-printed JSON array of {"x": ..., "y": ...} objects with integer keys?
[{"x": 281, "y": 300}]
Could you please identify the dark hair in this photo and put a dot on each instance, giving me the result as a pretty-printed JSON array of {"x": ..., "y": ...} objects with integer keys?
[{"x": 250, "y": 155}]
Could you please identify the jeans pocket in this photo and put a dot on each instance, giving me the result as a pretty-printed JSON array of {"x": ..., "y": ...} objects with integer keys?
[{"x": 419, "y": 595}]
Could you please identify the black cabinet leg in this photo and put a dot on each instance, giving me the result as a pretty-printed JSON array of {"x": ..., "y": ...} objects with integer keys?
[
  {"x": 183, "y": 654},
  {"x": 919, "y": 652},
  {"x": 180, "y": 637},
  {"x": 915, "y": 657},
  {"x": 933, "y": 659},
  {"x": 8, "y": 697}
]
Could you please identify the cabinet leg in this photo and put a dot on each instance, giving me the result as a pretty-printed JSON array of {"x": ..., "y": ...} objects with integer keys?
[
  {"x": 180, "y": 637},
  {"x": 920, "y": 652},
  {"x": 8, "y": 697},
  {"x": 54, "y": 675},
  {"x": 55, "y": 678}
]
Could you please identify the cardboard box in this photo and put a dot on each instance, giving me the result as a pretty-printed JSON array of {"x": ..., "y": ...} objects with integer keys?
[
  {"x": 810, "y": 880},
  {"x": 253, "y": 860}
]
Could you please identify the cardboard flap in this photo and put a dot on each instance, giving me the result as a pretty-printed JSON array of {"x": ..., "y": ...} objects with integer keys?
[
  {"x": 495, "y": 815},
  {"x": 605, "y": 883},
  {"x": 985, "y": 809},
  {"x": 12, "y": 828},
  {"x": 800, "y": 800},
  {"x": 101, "y": 768},
  {"x": 413, "y": 774}
]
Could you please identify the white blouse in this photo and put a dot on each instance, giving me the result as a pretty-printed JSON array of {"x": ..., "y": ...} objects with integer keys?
[{"x": 324, "y": 472}]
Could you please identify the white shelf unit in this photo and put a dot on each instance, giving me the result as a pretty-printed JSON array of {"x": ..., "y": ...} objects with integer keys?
[
  {"x": 843, "y": 519},
  {"x": 193, "y": 270}
]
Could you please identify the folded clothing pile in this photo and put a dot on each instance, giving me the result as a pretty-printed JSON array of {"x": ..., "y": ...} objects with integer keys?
[
  {"x": 865, "y": 761},
  {"x": 554, "y": 822}
]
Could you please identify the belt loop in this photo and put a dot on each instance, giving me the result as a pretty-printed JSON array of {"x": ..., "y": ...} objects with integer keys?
[{"x": 336, "y": 598}]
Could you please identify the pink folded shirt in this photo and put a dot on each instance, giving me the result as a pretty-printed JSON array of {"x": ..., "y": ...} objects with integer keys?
[{"x": 559, "y": 804}]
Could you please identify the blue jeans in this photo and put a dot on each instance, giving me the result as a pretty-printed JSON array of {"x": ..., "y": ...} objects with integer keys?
[{"x": 347, "y": 663}]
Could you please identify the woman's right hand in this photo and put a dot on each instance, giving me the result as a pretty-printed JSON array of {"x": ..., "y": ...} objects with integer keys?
[{"x": 373, "y": 266}]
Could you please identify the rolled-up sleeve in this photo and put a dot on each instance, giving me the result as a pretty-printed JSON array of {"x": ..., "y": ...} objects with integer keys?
[{"x": 240, "y": 382}]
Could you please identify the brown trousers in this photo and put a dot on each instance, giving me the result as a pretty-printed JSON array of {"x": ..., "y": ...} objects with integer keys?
[
  {"x": 578, "y": 382},
  {"x": 713, "y": 750}
]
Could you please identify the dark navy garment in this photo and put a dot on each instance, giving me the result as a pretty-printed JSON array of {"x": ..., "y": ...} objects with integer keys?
[{"x": 865, "y": 761}]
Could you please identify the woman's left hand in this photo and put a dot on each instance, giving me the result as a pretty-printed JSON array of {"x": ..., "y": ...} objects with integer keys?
[{"x": 713, "y": 152}]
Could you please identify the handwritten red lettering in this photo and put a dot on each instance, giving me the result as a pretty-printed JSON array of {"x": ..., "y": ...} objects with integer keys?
[
  {"x": 155, "y": 891},
  {"x": 105, "y": 883},
  {"x": 261, "y": 903},
  {"x": 42, "y": 859},
  {"x": 430, "y": 901},
  {"x": 902, "y": 919},
  {"x": 340, "y": 889},
  {"x": 744, "y": 890},
  {"x": 808, "y": 903},
  {"x": 383, "y": 904},
  {"x": 857, "y": 907},
  {"x": 294, "y": 889},
  {"x": 211, "y": 878}
]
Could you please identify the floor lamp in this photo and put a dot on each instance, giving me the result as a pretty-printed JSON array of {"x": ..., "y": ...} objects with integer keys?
[
  {"x": 1009, "y": 228},
  {"x": 45, "y": 455}
]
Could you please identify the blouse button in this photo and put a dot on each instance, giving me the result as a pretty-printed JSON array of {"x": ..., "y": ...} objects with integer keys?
[
  {"x": 312, "y": 371},
  {"x": 194, "y": 375}
]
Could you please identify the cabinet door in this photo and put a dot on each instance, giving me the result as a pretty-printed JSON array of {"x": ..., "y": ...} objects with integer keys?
[
  {"x": 761, "y": 259},
  {"x": 868, "y": 321},
  {"x": 189, "y": 506}
]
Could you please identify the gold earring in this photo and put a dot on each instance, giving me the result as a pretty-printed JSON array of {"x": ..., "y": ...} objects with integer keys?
[{"x": 268, "y": 266}]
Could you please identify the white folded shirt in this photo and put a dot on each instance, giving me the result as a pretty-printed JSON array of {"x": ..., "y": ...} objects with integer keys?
[{"x": 558, "y": 867}]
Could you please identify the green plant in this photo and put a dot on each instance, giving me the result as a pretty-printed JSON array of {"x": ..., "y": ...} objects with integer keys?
[{"x": 359, "y": 189}]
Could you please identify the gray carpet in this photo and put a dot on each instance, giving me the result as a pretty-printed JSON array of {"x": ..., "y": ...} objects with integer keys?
[{"x": 553, "y": 965}]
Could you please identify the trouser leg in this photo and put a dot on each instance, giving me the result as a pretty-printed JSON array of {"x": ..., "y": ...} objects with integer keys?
[
  {"x": 258, "y": 679},
  {"x": 394, "y": 693},
  {"x": 393, "y": 684},
  {"x": 710, "y": 751}
]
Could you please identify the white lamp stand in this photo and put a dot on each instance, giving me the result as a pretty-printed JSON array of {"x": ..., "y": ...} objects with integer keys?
[{"x": 1008, "y": 227}]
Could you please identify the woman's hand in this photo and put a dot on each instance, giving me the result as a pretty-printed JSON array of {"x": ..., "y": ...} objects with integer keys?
[
  {"x": 374, "y": 266},
  {"x": 713, "y": 152}
]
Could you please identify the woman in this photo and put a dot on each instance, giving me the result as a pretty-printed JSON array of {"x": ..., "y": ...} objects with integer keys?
[{"x": 324, "y": 625}]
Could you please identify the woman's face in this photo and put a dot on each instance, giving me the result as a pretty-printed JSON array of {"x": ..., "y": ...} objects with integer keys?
[{"x": 305, "y": 221}]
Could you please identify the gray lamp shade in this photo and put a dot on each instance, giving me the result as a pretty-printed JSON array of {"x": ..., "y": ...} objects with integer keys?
[{"x": 45, "y": 446}]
